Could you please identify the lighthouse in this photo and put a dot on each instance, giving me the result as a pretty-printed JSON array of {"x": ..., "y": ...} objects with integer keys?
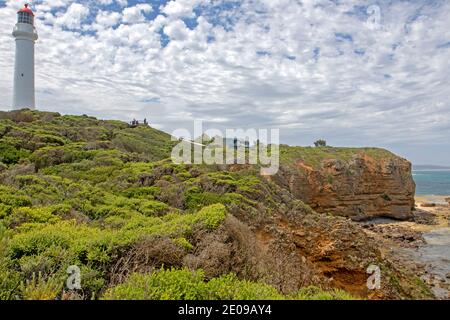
[{"x": 25, "y": 35}]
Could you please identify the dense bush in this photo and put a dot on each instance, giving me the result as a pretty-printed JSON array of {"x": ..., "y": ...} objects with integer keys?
[
  {"x": 195, "y": 198},
  {"x": 44, "y": 244},
  {"x": 11, "y": 155},
  {"x": 12, "y": 197},
  {"x": 315, "y": 293},
  {"x": 186, "y": 285},
  {"x": 93, "y": 244},
  {"x": 38, "y": 288},
  {"x": 51, "y": 156},
  {"x": 27, "y": 215},
  {"x": 191, "y": 285}
]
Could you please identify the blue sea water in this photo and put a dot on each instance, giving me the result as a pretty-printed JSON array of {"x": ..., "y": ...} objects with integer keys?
[{"x": 432, "y": 182}]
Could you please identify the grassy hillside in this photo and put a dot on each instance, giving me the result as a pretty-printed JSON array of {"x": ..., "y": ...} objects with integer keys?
[{"x": 103, "y": 196}]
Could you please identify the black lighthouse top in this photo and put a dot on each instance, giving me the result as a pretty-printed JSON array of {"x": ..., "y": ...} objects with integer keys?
[{"x": 25, "y": 15}]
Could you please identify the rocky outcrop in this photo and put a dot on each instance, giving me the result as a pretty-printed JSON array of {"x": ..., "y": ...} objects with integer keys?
[{"x": 361, "y": 188}]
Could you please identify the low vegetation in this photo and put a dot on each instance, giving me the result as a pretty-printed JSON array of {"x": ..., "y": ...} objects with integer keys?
[
  {"x": 314, "y": 156},
  {"x": 191, "y": 285},
  {"x": 102, "y": 195}
]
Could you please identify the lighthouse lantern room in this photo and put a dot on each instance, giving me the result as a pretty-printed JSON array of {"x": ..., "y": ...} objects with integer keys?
[{"x": 25, "y": 35}]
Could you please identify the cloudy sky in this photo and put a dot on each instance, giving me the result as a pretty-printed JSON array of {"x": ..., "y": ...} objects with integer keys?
[{"x": 354, "y": 72}]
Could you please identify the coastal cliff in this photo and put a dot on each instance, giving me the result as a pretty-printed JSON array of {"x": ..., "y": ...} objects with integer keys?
[
  {"x": 106, "y": 197},
  {"x": 356, "y": 183}
]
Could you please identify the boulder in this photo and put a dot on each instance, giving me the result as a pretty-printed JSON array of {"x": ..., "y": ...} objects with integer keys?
[{"x": 428, "y": 205}]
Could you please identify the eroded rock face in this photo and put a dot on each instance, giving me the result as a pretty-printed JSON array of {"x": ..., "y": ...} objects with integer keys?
[{"x": 361, "y": 188}]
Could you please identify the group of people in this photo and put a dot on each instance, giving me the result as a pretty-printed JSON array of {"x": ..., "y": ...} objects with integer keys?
[{"x": 135, "y": 122}]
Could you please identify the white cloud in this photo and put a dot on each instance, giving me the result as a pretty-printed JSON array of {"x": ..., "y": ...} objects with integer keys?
[
  {"x": 180, "y": 8},
  {"x": 135, "y": 14},
  {"x": 73, "y": 17},
  {"x": 107, "y": 19},
  {"x": 176, "y": 30},
  {"x": 264, "y": 63}
]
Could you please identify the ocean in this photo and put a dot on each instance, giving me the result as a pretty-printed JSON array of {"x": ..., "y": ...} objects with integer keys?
[{"x": 432, "y": 182}]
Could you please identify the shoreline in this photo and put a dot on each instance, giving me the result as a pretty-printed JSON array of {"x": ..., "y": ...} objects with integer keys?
[
  {"x": 439, "y": 206},
  {"x": 422, "y": 243},
  {"x": 435, "y": 252}
]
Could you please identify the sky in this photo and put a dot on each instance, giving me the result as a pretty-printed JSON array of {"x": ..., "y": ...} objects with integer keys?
[{"x": 352, "y": 72}]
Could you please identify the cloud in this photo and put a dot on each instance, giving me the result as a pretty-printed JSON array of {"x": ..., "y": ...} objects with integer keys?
[
  {"x": 73, "y": 17},
  {"x": 136, "y": 13},
  {"x": 107, "y": 19},
  {"x": 315, "y": 69},
  {"x": 181, "y": 8},
  {"x": 176, "y": 30}
]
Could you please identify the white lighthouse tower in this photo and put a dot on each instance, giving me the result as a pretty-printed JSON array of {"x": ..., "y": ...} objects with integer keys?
[{"x": 25, "y": 34}]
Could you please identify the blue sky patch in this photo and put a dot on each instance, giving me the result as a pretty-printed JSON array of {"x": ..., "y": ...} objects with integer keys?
[
  {"x": 342, "y": 36},
  {"x": 360, "y": 51},
  {"x": 444, "y": 45},
  {"x": 316, "y": 53}
]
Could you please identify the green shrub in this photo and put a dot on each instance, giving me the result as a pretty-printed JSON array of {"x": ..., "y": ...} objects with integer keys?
[
  {"x": 110, "y": 205},
  {"x": 142, "y": 192},
  {"x": 189, "y": 285},
  {"x": 315, "y": 293},
  {"x": 26, "y": 214},
  {"x": 50, "y": 139},
  {"x": 152, "y": 208},
  {"x": 9, "y": 279},
  {"x": 24, "y": 180},
  {"x": 40, "y": 240},
  {"x": 5, "y": 210},
  {"x": 162, "y": 285},
  {"x": 212, "y": 216},
  {"x": 39, "y": 289},
  {"x": 13, "y": 197},
  {"x": 92, "y": 281},
  {"x": 44, "y": 265},
  {"x": 184, "y": 243},
  {"x": 51, "y": 156},
  {"x": 66, "y": 243},
  {"x": 196, "y": 199},
  {"x": 176, "y": 224},
  {"x": 184, "y": 284},
  {"x": 11, "y": 155},
  {"x": 9, "y": 283},
  {"x": 229, "y": 287}
]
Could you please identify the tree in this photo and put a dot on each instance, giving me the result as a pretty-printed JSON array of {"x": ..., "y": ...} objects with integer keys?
[{"x": 320, "y": 143}]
